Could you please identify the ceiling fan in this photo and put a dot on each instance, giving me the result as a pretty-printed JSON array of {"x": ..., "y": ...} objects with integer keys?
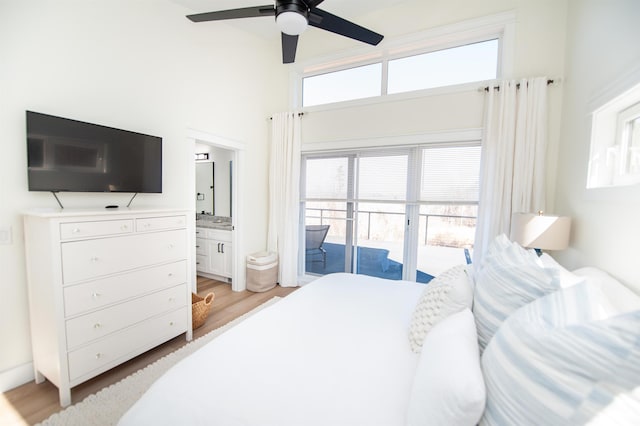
[{"x": 292, "y": 17}]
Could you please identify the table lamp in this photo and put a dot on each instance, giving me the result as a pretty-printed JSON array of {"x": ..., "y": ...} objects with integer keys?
[{"x": 540, "y": 232}]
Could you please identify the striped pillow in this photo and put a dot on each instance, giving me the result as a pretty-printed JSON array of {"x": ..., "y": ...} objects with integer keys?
[
  {"x": 569, "y": 358},
  {"x": 508, "y": 280},
  {"x": 495, "y": 247}
]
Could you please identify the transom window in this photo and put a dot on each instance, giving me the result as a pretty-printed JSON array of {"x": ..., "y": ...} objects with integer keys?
[
  {"x": 465, "y": 63},
  {"x": 447, "y": 67},
  {"x": 353, "y": 83}
]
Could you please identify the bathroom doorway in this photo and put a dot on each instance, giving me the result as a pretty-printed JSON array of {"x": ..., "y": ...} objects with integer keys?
[{"x": 218, "y": 196}]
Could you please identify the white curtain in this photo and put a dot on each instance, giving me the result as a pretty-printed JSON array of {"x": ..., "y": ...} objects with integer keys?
[
  {"x": 512, "y": 175},
  {"x": 284, "y": 194}
]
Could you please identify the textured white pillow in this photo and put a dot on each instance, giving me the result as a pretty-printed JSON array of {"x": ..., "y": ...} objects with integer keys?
[
  {"x": 569, "y": 358},
  {"x": 448, "y": 387},
  {"x": 508, "y": 280},
  {"x": 448, "y": 293}
]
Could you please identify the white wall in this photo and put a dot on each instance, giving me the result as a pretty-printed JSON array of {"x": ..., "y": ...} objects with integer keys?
[
  {"x": 138, "y": 65},
  {"x": 602, "y": 47}
]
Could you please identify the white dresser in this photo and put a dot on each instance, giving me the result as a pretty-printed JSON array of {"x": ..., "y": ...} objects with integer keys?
[{"x": 104, "y": 287}]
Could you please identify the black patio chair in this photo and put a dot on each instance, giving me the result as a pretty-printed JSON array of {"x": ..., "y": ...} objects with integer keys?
[{"x": 315, "y": 235}]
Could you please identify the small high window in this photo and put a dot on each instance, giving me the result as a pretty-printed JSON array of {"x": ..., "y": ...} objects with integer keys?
[{"x": 615, "y": 142}]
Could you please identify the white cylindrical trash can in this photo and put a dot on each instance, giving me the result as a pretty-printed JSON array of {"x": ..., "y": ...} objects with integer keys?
[{"x": 262, "y": 271}]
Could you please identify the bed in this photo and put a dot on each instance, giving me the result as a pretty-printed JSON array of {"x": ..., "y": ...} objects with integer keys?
[{"x": 357, "y": 350}]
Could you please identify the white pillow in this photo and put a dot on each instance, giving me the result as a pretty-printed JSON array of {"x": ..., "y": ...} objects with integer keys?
[
  {"x": 446, "y": 294},
  {"x": 569, "y": 358},
  {"x": 566, "y": 278},
  {"x": 448, "y": 387},
  {"x": 507, "y": 281},
  {"x": 617, "y": 293}
]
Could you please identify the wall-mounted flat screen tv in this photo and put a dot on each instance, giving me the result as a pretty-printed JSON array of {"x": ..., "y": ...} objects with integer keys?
[{"x": 74, "y": 156}]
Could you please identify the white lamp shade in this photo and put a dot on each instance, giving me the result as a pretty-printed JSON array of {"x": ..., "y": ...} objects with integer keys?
[
  {"x": 541, "y": 232},
  {"x": 291, "y": 23}
]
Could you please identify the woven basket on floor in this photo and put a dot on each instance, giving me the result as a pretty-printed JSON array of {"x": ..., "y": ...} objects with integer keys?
[{"x": 200, "y": 308}]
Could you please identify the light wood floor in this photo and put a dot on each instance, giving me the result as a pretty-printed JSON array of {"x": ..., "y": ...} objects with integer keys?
[{"x": 32, "y": 403}]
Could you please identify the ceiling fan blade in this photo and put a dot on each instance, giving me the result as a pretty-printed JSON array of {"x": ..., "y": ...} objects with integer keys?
[
  {"x": 245, "y": 12},
  {"x": 312, "y": 3},
  {"x": 289, "y": 45},
  {"x": 324, "y": 20}
]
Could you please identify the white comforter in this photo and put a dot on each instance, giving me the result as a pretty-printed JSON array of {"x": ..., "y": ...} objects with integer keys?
[{"x": 335, "y": 352}]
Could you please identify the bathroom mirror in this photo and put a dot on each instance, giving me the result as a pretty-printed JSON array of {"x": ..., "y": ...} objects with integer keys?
[
  {"x": 213, "y": 180},
  {"x": 205, "y": 193}
]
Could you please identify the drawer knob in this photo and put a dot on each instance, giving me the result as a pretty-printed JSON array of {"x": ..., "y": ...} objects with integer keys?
[
  {"x": 94, "y": 258},
  {"x": 172, "y": 299},
  {"x": 124, "y": 227},
  {"x": 76, "y": 230},
  {"x": 95, "y": 295},
  {"x": 171, "y": 323},
  {"x": 170, "y": 246},
  {"x": 98, "y": 355},
  {"x": 170, "y": 274},
  {"x": 97, "y": 325}
]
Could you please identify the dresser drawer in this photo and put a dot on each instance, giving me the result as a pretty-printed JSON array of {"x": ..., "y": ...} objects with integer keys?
[
  {"x": 160, "y": 223},
  {"x": 95, "y": 229},
  {"x": 99, "y": 293},
  {"x": 95, "y": 325},
  {"x": 202, "y": 247},
  {"x": 103, "y": 354},
  {"x": 83, "y": 260}
]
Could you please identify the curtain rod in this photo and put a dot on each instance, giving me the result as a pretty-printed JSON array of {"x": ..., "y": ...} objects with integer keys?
[
  {"x": 300, "y": 114},
  {"x": 486, "y": 88}
]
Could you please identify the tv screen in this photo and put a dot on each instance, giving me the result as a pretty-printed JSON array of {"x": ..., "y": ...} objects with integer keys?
[{"x": 74, "y": 156}]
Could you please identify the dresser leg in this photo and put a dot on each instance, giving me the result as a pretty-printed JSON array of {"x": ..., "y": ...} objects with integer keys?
[
  {"x": 65, "y": 397},
  {"x": 39, "y": 377}
]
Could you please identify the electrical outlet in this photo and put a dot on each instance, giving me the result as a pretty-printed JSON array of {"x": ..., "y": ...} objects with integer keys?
[{"x": 5, "y": 235}]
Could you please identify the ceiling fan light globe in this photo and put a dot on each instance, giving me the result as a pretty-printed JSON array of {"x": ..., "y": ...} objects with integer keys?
[{"x": 291, "y": 23}]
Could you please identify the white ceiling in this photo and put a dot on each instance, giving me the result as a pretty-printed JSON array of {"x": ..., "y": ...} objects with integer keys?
[{"x": 266, "y": 28}]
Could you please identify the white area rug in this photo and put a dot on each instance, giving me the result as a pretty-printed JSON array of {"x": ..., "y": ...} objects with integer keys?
[{"x": 109, "y": 404}]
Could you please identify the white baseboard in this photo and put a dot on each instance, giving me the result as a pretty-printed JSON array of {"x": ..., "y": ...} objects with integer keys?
[{"x": 16, "y": 376}]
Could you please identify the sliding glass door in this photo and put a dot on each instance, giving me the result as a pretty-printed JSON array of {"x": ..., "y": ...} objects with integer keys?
[
  {"x": 328, "y": 185},
  {"x": 397, "y": 214}
]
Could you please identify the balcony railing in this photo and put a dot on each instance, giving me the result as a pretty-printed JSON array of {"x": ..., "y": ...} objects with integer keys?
[{"x": 341, "y": 214}]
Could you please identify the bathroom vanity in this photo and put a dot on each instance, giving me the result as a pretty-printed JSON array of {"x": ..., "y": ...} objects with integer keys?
[{"x": 214, "y": 254}]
